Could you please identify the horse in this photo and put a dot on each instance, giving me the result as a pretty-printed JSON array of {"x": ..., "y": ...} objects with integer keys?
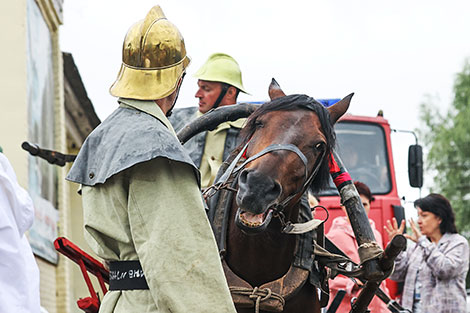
[{"x": 285, "y": 149}]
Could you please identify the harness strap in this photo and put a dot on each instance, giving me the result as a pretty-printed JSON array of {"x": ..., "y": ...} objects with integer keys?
[
  {"x": 223, "y": 91},
  {"x": 225, "y": 177},
  {"x": 274, "y": 147},
  {"x": 300, "y": 228},
  {"x": 305, "y": 185},
  {"x": 232, "y": 170},
  {"x": 226, "y": 202}
]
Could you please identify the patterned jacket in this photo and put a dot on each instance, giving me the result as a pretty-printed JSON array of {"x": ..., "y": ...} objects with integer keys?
[{"x": 443, "y": 270}]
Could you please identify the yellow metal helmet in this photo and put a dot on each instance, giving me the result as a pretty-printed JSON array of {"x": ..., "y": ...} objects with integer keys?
[
  {"x": 153, "y": 59},
  {"x": 221, "y": 67}
]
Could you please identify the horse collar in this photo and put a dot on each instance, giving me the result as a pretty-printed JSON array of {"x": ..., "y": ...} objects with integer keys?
[{"x": 271, "y": 296}]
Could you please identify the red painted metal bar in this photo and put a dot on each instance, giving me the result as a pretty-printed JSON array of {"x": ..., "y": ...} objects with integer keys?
[
  {"x": 91, "y": 289},
  {"x": 73, "y": 252},
  {"x": 87, "y": 264}
]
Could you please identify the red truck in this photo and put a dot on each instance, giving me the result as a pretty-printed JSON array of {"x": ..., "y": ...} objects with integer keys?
[{"x": 364, "y": 145}]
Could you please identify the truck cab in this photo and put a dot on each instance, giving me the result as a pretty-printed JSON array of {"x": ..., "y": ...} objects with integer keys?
[{"x": 364, "y": 145}]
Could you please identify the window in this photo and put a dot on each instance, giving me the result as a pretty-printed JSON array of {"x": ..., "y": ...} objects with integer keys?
[{"x": 363, "y": 150}]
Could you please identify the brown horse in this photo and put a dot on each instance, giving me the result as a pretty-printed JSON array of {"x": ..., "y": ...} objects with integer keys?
[{"x": 286, "y": 148}]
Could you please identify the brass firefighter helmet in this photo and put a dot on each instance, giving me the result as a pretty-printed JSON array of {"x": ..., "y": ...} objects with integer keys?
[
  {"x": 153, "y": 59},
  {"x": 221, "y": 67}
]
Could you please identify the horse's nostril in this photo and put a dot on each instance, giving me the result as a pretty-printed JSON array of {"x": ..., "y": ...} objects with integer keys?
[
  {"x": 276, "y": 190},
  {"x": 256, "y": 191},
  {"x": 259, "y": 183},
  {"x": 243, "y": 177}
]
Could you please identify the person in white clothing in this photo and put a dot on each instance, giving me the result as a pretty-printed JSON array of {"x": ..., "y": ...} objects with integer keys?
[{"x": 19, "y": 273}]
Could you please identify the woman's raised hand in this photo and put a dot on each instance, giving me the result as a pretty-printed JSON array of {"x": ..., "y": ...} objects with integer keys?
[
  {"x": 416, "y": 233},
  {"x": 392, "y": 228}
]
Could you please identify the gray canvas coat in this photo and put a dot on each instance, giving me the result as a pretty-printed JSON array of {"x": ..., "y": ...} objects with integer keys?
[{"x": 141, "y": 201}]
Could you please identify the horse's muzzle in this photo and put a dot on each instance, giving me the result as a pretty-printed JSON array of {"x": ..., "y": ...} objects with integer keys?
[
  {"x": 256, "y": 194},
  {"x": 251, "y": 228},
  {"x": 256, "y": 191}
]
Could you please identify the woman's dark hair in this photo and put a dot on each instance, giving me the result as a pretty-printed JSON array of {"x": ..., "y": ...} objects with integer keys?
[
  {"x": 439, "y": 206},
  {"x": 362, "y": 189}
]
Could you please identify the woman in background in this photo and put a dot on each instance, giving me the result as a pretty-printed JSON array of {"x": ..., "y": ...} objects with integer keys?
[
  {"x": 435, "y": 265},
  {"x": 342, "y": 235}
]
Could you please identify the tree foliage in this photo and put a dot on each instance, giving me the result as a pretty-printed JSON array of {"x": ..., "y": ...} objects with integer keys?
[{"x": 447, "y": 138}]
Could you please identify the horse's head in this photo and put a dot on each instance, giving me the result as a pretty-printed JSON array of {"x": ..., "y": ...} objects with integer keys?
[{"x": 289, "y": 140}]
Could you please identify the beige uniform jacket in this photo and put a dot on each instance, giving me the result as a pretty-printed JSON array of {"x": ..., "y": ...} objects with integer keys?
[
  {"x": 153, "y": 212},
  {"x": 213, "y": 155}
]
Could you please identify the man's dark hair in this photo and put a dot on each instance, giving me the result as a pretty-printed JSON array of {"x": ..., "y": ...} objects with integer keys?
[
  {"x": 362, "y": 189},
  {"x": 439, "y": 206}
]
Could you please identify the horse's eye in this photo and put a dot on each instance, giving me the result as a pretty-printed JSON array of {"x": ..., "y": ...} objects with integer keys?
[
  {"x": 319, "y": 146},
  {"x": 259, "y": 124}
]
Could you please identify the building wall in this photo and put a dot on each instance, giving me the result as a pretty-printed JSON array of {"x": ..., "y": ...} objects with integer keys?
[
  {"x": 14, "y": 117},
  {"x": 61, "y": 282}
]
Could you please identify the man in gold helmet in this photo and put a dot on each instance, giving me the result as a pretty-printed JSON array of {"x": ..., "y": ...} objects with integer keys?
[
  {"x": 143, "y": 210},
  {"x": 219, "y": 83}
]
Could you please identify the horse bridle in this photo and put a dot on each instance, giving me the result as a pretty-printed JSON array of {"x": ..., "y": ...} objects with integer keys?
[{"x": 279, "y": 207}]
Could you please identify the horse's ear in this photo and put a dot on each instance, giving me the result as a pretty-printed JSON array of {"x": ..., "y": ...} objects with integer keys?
[
  {"x": 339, "y": 108},
  {"x": 275, "y": 90}
]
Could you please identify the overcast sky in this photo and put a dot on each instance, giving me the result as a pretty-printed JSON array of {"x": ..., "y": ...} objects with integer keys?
[{"x": 392, "y": 54}]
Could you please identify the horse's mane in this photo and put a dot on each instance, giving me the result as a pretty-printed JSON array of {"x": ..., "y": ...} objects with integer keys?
[{"x": 299, "y": 102}]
